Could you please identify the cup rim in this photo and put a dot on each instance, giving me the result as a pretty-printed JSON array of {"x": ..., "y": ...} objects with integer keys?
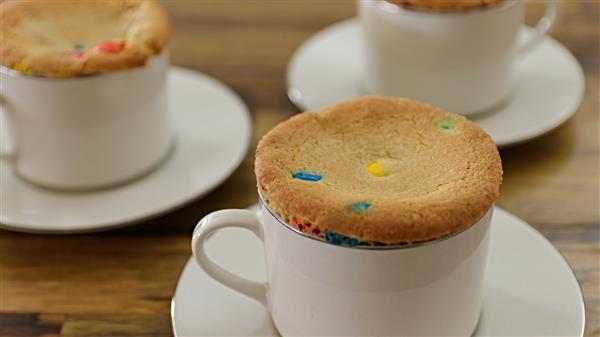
[
  {"x": 417, "y": 244},
  {"x": 4, "y": 70},
  {"x": 392, "y": 9}
]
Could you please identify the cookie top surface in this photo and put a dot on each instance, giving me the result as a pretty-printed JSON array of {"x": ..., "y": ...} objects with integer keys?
[
  {"x": 72, "y": 38},
  {"x": 444, "y": 5},
  {"x": 379, "y": 170}
]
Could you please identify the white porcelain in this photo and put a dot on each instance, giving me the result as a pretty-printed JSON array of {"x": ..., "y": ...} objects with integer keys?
[
  {"x": 89, "y": 131},
  {"x": 316, "y": 288},
  {"x": 550, "y": 84},
  {"x": 529, "y": 289},
  {"x": 462, "y": 61},
  {"x": 212, "y": 132}
]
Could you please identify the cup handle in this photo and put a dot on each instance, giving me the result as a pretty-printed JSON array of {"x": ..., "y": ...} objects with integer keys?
[
  {"x": 7, "y": 138},
  {"x": 543, "y": 26},
  {"x": 210, "y": 224}
]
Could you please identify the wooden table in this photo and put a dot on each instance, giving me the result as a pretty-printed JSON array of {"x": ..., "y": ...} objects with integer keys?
[{"x": 120, "y": 283}]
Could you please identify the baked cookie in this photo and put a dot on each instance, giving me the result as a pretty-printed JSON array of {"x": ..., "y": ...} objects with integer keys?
[
  {"x": 72, "y": 38},
  {"x": 444, "y": 5},
  {"x": 378, "y": 170}
]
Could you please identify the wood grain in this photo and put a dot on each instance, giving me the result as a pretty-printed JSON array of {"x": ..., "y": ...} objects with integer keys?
[{"x": 120, "y": 283}]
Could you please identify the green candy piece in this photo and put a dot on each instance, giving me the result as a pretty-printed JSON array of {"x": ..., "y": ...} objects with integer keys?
[{"x": 447, "y": 125}]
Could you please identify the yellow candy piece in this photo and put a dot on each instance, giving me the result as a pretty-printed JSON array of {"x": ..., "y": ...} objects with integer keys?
[
  {"x": 22, "y": 68},
  {"x": 377, "y": 170}
]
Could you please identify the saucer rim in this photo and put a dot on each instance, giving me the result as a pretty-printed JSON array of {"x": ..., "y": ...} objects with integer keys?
[
  {"x": 94, "y": 226},
  {"x": 297, "y": 99}
]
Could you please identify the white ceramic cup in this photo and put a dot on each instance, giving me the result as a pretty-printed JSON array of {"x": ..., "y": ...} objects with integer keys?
[
  {"x": 462, "y": 62},
  {"x": 316, "y": 288},
  {"x": 90, "y": 131}
]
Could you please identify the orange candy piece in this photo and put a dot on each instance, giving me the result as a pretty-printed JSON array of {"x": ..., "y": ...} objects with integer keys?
[{"x": 111, "y": 47}]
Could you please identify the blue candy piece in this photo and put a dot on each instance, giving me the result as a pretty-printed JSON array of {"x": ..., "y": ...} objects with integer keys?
[
  {"x": 339, "y": 239},
  {"x": 359, "y": 207},
  {"x": 306, "y": 176},
  {"x": 78, "y": 46}
]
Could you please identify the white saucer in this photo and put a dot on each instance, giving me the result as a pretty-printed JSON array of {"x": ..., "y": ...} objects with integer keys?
[
  {"x": 212, "y": 129},
  {"x": 530, "y": 289},
  {"x": 327, "y": 69}
]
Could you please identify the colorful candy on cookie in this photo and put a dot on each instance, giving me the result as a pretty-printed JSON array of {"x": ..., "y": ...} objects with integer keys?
[
  {"x": 378, "y": 171},
  {"x": 447, "y": 124},
  {"x": 306, "y": 176},
  {"x": 73, "y": 53},
  {"x": 110, "y": 47},
  {"x": 78, "y": 50},
  {"x": 444, "y": 5}
]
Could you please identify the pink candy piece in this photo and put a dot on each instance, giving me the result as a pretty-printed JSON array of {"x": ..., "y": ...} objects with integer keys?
[
  {"x": 73, "y": 53},
  {"x": 110, "y": 47}
]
